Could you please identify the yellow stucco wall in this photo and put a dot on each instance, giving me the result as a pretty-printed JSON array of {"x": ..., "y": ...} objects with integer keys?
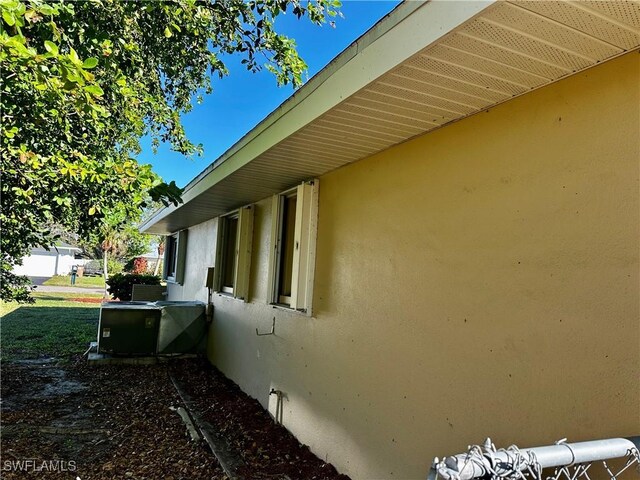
[
  {"x": 201, "y": 254},
  {"x": 481, "y": 280}
]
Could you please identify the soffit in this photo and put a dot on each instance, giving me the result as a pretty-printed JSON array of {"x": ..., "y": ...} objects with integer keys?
[{"x": 504, "y": 51}]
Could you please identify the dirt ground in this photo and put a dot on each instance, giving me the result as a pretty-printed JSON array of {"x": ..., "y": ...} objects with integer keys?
[{"x": 69, "y": 420}]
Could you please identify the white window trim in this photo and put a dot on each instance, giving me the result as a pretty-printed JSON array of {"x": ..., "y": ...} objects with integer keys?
[
  {"x": 166, "y": 263},
  {"x": 304, "y": 253},
  {"x": 180, "y": 259},
  {"x": 218, "y": 285},
  {"x": 284, "y": 300},
  {"x": 242, "y": 252}
]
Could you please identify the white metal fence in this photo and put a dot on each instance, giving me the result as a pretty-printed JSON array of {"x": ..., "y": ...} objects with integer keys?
[{"x": 610, "y": 458}]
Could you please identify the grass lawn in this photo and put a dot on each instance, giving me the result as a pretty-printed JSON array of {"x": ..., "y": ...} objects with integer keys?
[
  {"x": 57, "y": 325},
  {"x": 65, "y": 281}
]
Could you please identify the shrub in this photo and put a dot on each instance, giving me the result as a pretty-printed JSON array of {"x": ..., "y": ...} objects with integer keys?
[
  {"x": 128, "y": 266},
  {"x": 121, "y": 284},
  {"x": 114, "y": 266},
  {"x": 140, "y": 265},
  {"x": 137, "y": 265}
]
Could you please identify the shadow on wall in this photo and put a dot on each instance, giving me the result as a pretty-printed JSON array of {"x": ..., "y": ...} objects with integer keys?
[
  {"x": 320, "y": 395},
  {"x": 463, "y": 295}
]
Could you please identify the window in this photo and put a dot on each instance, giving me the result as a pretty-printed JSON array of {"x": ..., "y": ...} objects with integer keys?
[
  {"x": 175, "y": 251},
  {"x": 172, "y": 256},
  {"x": 292, "y": 256},
  {"x": 229, "y": 257},
  {"x": 285, "y": 260},
  {"x": 233, "y": 253}
]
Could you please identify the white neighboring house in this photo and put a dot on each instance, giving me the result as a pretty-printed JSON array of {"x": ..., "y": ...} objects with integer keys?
[
  {"x": 58, "y": 260},
  {"x": 152, "y": 257}
]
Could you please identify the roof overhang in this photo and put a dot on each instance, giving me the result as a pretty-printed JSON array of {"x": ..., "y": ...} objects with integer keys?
[
  {"x": 56, "y": 248},
  {"x": 423, "y": 66}
]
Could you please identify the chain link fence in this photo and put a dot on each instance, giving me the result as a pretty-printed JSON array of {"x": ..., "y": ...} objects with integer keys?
[{"x": 614, "y": 458}]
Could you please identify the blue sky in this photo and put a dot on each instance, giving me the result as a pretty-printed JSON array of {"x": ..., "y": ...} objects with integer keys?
[{"x": 242, "y": 99}]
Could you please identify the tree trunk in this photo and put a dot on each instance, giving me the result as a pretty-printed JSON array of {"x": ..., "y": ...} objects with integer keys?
[
  {"x": 104, "y": 265},
  {"x": 160, "y": 254},
  {"x": 105, "y": 273},
  {"x": 157, "y": 267}
]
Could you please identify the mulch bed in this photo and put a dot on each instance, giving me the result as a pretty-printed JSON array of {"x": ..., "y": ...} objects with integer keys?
[
  {"x": 267, "y": 449},
  {"x": 87, "y": 299},
  {"x": 114, "y": 421},
  {"x": 110, "y": 421}
]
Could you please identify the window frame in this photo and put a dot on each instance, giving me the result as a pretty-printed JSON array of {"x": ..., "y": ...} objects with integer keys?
[
  {"x": 241, "y": 253},
  {"x": 175, "y": 253},
  {"x": 279, "y": 299},
  {"x": 304, "y": 249},
  {"x": 171, "y": 257},
  {"x": 224, "y": 224}
]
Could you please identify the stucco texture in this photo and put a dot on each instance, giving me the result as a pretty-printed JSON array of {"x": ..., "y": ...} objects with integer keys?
[
  {"x": 481, "y": 280},
  {"x": 201, "y": 254}
]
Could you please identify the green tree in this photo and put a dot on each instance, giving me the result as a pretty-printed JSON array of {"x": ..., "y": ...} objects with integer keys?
[
  {"x": 117, "y": 239},
  {"x": 83, "y": 82}
]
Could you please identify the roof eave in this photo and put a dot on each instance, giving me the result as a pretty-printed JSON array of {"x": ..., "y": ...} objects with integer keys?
[{"x": 369, "y": 57}]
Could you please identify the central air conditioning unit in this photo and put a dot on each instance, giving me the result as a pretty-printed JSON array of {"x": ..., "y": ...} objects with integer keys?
[{"x": 152, "y": 328}]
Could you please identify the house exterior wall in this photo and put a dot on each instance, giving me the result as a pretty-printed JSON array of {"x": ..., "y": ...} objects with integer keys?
[
  {"x": 201, "y": 254},
  {"x": 43, "y": 263},
  {"x": 65, "y": 262},
  {"x": 480, "y": 280}
]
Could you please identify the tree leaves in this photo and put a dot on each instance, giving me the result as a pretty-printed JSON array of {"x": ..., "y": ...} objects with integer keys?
[
  {"x": 51, "y": 47},
  {"x": 84, "y": 81},
  {"x": 9, "y": 18},
  {"x": 94, "y": 90},
  {"x": 73, "y": 56},
  {"x": 90, "y": 62}
]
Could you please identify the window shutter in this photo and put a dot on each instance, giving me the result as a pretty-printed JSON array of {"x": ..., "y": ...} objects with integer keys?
[
  {"x": 305, "y": 246},
  {"x": 243, "y": 253},
  {"x": 217, "y": 274},
  {"x": 182, "y": 256},
  {"x": 274, "y": 252}
]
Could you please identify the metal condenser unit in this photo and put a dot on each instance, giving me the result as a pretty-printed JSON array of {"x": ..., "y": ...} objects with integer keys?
[{"x": 152, "y": 328}]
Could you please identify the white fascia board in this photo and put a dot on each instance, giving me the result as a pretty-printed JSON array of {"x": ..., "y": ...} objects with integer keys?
[
  {"x": 405, "y": 31},
  {"x": 69, "y": 249}
]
